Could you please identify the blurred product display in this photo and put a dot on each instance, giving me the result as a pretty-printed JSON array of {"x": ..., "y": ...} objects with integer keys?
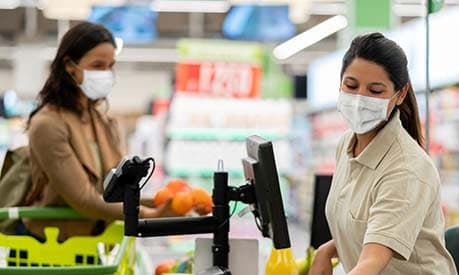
[
  {"x": 215, "y": 128},
  {"x": 12, "y": 121},
  {"x": 444, "y": 108}
]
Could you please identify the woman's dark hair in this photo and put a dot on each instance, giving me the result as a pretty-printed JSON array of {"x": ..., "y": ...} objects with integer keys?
[
  {"x": 376, "y": 48},
  {"x": 60, "y": 89}
]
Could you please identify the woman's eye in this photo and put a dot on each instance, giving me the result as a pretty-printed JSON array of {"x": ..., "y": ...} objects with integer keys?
[
  {"x": 98, "y": 66},
  {"x": 351, "y": 87},
  {"x": 376, "y": 92}
]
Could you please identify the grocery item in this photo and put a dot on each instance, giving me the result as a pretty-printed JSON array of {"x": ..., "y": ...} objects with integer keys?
[
  {"x": 178, "y": 185},
  {"x": 184, "y": 198},
  {"x": 162, "y": 196},
  {"x": 182, "y": 203},
  {"x": 202, "y": 201},
  {"x": 164, "y": 267},
  {"x": 305, "y": 263},
  {"x": 281, "y": 261}
]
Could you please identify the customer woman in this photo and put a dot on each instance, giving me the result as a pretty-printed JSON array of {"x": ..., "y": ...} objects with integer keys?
[
  {"x": 73, "y": 144},
  {"x": 384, "y": 204}
]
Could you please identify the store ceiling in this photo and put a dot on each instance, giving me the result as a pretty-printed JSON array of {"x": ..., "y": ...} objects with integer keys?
[{"x": 27, "y": 23}]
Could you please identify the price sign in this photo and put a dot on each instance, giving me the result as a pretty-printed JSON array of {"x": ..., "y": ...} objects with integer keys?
[{"x": 219, "y": 79}]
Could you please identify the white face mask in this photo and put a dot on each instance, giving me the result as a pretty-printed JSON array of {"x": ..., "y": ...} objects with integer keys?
[
  {"x": 363, "y": 113},
  {"x": 97, "y": 84}
]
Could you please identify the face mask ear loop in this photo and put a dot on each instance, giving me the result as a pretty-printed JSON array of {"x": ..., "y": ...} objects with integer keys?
[
  {"x": 395, "y": 106},
  {"x": 397, "y": 93}
]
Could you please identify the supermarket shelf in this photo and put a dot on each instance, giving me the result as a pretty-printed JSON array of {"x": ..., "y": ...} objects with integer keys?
[
  {"x": 222, "y": 134},
  {"x": 207, "y": 173},
  {"x": 201, "y": 173}
]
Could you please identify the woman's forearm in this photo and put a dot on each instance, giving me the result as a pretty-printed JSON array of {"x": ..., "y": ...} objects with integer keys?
[
  {"x": 367, "y": 267},
  {"x": 373, "y": 260}
]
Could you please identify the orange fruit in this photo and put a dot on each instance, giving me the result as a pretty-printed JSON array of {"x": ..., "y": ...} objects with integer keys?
[
  {"x": 162, "y": 196},
  {"x": 202, "y": 201},
  {"x": 182, "y": 203},
  {"x": 178, "y": 185},
  {"x": 164, "y": 267}
]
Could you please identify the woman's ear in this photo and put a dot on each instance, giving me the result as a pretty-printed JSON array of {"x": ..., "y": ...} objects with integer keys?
[
  {"x": 69, "y": 66},
  {"x": 403, "y": 93}
]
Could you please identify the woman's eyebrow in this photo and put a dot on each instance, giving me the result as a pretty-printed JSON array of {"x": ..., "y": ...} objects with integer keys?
[{"x": 378, "y": 83}]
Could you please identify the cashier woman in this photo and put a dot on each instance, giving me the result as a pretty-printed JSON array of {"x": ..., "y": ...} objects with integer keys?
[
  {"x": 384, "y": 204},
  {"x": 73, "y": 143}
]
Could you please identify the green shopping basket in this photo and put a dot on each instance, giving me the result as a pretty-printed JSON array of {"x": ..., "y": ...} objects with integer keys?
[{"x": 77, "y": 255}]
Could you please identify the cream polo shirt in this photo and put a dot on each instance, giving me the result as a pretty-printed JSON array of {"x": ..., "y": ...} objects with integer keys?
[{"x": 388, "y": 195}]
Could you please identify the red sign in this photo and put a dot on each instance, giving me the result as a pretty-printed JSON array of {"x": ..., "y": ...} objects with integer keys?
[{"x": 219, "y": 79}]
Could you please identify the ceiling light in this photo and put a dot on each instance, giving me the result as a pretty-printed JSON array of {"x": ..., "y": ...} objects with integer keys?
[
  {"x": 409, "y": 10},
  {"x": 119, "y": 45},
  {"x": 309, "y": 37},
  {"x": 9, "y": 4},
  {"x": 67, "y": 9},
  {"x": 203, "y": 6}
]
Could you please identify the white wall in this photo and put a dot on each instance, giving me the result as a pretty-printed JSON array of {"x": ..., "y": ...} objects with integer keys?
[
  {"x": 133, "y": 91},
  {"x": 30, "y": 70},
  {"x": 6, "y": 79}
]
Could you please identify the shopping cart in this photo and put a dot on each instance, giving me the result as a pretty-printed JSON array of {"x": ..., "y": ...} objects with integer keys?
[{"x": 108, "y": 253}]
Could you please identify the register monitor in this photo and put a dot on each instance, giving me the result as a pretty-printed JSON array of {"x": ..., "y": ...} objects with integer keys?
[{"x": 260, "y": 170}]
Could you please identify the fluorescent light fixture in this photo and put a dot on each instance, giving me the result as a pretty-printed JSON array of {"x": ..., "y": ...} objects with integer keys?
[
  {"x": 309, "y": 37},
  {"x": 66, "y": 9},
  {"x": 323, "y": 8},
  {"x": 119, "y": 45},
  {"x": 409, "y": 10},
  {"x": 41, "y": 5},
  {"x": 299, "y": 11},
  {"x": 203, "y": 6},
  {"x": 9, "y": 4},
  {"x": 260, "y": 2}
]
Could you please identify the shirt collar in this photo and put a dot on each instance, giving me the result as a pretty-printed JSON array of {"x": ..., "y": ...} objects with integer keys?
[{"x": 372, "y": 155}]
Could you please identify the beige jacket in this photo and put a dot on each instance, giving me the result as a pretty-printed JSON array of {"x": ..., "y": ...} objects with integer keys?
[{"x": 64, "y": 170}]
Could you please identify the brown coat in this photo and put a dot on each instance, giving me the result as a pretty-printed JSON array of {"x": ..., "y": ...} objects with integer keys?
[{"x": 64, "y": 170}]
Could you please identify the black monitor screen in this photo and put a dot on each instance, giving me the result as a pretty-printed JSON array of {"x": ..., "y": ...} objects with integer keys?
[
  {"x": 260, "y": 169},
  {"x": 320, "y": 232}
]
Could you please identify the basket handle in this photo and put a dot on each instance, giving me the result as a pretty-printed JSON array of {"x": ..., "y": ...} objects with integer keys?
[{"x": 39, "y": 213}]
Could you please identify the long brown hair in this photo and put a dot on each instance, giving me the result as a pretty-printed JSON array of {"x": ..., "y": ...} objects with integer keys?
[
  {"x": 376, "y": 48},
  {"x": 60, "y": 89}
]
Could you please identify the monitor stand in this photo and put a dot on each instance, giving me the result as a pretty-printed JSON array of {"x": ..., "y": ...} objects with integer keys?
[{"x": 218, "y": 223}]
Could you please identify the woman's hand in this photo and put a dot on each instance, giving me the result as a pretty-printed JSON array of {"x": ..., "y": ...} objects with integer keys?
[
  {"x": 165, "y": 209},
  {"x": 147, "y": 201},
  {"x": 162, "y": 211},
  {"x": 321, "y": 265}
]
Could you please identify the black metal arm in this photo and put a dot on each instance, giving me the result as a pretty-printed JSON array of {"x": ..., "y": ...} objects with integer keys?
[{"x": 218, "y": 224}]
